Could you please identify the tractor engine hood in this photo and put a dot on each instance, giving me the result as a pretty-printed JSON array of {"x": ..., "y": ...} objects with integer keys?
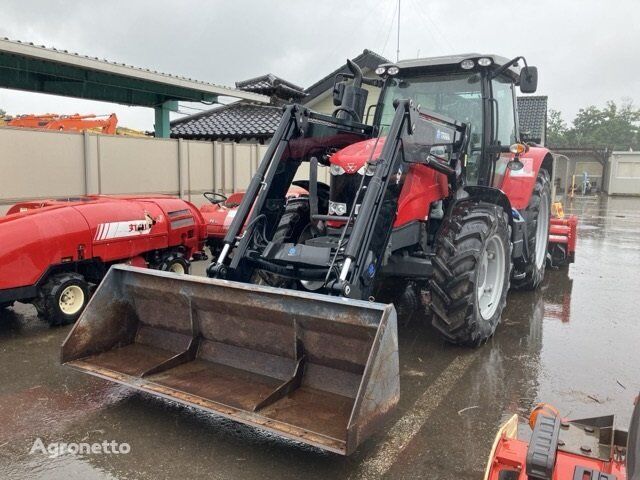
[
  {"x": 352, "y": 158},
  {"x": 347, "y": 168}
]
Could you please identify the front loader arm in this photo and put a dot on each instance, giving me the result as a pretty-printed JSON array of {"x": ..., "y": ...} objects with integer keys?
[
  {"x": 410, "y": 139},
  {"x": 301, "y": 135}
]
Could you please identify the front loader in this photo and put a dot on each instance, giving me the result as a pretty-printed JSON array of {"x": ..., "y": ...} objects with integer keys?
[{"x": 437, "y": 196}]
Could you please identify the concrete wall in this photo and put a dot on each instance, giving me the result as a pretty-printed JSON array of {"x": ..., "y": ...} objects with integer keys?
[
  {"x": 623, "y": 174},
  {"x": 41, "y": 164}
]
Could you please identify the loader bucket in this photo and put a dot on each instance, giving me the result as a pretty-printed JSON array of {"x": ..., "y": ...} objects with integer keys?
[{"x": 313, "y": 368}]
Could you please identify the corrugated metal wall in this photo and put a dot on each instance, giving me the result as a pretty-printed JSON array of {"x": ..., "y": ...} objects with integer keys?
[{"x": 41, "y": 164}]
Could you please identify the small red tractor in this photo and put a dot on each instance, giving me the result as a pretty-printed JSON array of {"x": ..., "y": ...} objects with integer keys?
[
  {"x": 52, "y": 251},
  {"x": 560, "y": 449},
  {"x": 438, "y": 197},
  {"x": 219, "y": 212}
]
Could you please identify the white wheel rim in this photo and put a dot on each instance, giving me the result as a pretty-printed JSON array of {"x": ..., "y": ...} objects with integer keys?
[
  {"x": 490, "y": 281},
  {"x": 542, "y": 231},
  {"x": 177, "y": 268},
  {"x": 312, "y": 285},
  {"x": 71, "y": 300}
]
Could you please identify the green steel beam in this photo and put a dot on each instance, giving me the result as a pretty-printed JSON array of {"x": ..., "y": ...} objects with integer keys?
[
  {"x": 33, "y": 75},
  {"x": 162, "y": 126}
]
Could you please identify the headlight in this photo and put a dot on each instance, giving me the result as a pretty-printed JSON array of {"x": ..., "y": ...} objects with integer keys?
[
  {"x": 467, "y": 64},
  {"x": 336, "y": 208},
  {"x": 336, "y": 169},
  {"x": 380, "y": 70},
  {"x": 393, "y": 70},
  {"x": 367, "y": 169},
  {"x": 484, "y": 61}
]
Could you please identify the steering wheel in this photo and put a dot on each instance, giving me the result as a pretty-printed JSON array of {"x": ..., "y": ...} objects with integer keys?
[{"x": 214, "y": 197}]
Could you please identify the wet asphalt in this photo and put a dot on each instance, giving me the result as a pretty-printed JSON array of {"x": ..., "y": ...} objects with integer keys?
[{"x": 574, "y": 343}]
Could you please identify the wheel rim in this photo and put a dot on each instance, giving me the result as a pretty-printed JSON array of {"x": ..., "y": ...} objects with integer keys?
[
  {"x": 71, "y": 300},
  {"x": 542, "y": 231},
  {"x": 490, "y": 277},
  {"x": 177, "y": 268}
]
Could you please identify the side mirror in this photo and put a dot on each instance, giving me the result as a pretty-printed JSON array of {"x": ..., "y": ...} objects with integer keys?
[{"x": 529, "y": 79}]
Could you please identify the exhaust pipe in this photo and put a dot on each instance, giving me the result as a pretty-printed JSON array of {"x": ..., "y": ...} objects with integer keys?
[{"x": 313, "y": 368}]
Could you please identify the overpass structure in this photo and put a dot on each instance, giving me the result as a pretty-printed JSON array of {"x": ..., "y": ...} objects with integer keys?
[{"x": 32, "y": 68}]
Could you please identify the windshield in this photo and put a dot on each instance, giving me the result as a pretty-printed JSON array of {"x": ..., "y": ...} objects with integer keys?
[
  {"x": 454, "y": 95},
  {"x": 457, "y": 96}
]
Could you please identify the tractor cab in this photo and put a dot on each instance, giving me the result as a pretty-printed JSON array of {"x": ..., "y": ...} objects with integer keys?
[{"x": 476, "y": 90}]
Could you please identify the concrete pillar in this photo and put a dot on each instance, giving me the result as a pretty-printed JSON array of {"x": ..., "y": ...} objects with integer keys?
[
  {"x": 91, "y": 163},
  {"x": 184, "y": 182},
  {"x": 162, "y": 126}
]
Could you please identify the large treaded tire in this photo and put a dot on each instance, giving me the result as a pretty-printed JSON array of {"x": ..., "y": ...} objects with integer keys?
[
  {"x": 174, "y": 262},
  {"x": 293, "y": 221},
  {"x": 534, "y": 273},
  {"x": 460, "y": 244},
  {"x": 49, "y": 301}
]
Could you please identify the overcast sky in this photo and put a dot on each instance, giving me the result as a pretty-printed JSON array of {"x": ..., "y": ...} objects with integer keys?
[{"x": 587, "y": 51}]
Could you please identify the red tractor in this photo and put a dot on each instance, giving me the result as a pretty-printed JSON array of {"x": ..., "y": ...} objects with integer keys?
[
  {"x": 52, "y": 251},
  {"x": 219, "y": 212},
  {"x": 560, "y": 449},
  {"x": 440, "y": 195},
  {"x": 437, "y": 197}
]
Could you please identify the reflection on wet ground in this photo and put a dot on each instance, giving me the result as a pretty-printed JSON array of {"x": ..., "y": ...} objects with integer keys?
[{"x": 574, "y": 343}]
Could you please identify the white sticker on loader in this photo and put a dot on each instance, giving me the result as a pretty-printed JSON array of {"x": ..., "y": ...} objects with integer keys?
[{"x": 130, "y": 228}]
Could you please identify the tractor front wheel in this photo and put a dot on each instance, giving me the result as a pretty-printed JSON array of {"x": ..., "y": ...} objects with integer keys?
[
  {"x": 63, "y": 298},
  {"x": 471, "y": 272},
  {"x": 294, "y": 221},
  {"x": 538, "y": 218},
  {"x": 174, "y": 262}
]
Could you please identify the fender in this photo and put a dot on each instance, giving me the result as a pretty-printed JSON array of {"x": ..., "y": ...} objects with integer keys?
[
  {"x": 518, "y": 184},
  {"x": 490, "y": 195},
  {"x": 498, "y": 197}
]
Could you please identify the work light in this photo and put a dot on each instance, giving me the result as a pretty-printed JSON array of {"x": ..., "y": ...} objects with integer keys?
[{"x": 467, "y": 64}]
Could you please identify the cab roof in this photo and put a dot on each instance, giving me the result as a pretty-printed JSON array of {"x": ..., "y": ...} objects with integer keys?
[{"x": 448, "y": 63}]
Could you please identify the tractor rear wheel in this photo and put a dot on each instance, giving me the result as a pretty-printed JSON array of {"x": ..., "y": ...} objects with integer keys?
[
  {"x": 63, "y": 298},
  {"x": 174, "y": 262},
  {"x": 471, "y": 272},
  {"x": 537, "y": 217}
]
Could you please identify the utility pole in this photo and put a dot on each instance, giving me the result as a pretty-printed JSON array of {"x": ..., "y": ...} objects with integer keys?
[{"x": 398, "y": 49}]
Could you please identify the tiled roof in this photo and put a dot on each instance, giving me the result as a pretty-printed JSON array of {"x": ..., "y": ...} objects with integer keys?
[
  {"x": 270, "y": 84},
  {"x": 237, "y": 121},
  {"x": 367, "y": 59},
  {"x": 532, "y": 113}
]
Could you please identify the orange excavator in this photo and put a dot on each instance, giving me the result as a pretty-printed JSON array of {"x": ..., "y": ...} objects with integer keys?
[{"x": 76, "y": 123}]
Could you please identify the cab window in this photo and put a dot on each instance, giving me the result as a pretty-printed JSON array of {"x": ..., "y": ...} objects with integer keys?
[{"x": 502, "y": 89}]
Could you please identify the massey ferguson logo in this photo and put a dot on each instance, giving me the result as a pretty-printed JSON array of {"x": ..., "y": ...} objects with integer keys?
[{"x": 350, "y": 167}]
